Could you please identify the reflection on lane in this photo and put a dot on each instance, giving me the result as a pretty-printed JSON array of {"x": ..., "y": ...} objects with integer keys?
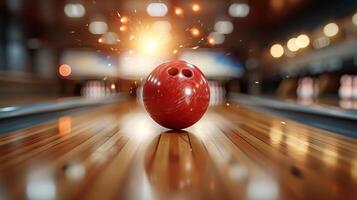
[
  {"x": 64, "y": 125},
  {"x": 40, "y": 185},
  {"x": 297, "y": 156},
  {"x": 240, "y": 174},
  {"x": 231, "y": 153}
]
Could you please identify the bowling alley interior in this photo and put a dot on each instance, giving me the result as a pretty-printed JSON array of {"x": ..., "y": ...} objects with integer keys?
[{"x": 178, "y": 99}]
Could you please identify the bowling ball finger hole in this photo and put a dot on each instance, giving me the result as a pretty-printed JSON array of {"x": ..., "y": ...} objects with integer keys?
[
  {"x": 187, "y": 73},
  {"x": 173, "y": 71}
]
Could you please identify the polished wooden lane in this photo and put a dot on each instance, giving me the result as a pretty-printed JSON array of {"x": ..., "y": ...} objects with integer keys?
[{"x": 118, "y": 152}]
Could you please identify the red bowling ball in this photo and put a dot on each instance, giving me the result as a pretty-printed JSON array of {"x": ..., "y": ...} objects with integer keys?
[{"x": 176, "y": 94}]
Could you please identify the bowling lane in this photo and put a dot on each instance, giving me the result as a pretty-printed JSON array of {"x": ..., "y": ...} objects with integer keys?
[{"x": 117, "y": 151}]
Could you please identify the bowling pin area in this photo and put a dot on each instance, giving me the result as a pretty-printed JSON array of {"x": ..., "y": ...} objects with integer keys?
[
  {"x": 347, "y": 92},
  {"x": 308, "y": 92},
  {"x": 98, "y": 89}
]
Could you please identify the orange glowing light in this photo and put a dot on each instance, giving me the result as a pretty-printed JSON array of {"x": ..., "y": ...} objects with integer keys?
[
  {"x": 101, "y": 40},
  {"x": 178, "y": 11},
  {"x": 195, "y": 32},
  {"x": 123, "y": 28},
  {"x": 196, "y": 7},
  {"x": 124, "y": 20},
  {"x": 64, "y": 125},
  {"x": 175, "y": 51},
  {"x": 64, "y": 70},
  {"x": 211, "y": 41}
]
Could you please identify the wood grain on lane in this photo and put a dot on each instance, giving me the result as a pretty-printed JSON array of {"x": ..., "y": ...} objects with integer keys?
[{"x": 117, "y": 151}]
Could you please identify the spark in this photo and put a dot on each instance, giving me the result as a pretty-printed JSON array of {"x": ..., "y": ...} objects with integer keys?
[
  {"x": 124, "y": 19},
  {"x": 123, "y": 28},
  {"x": 195, "y": 32},
  {"x": 211, "y": 41}
]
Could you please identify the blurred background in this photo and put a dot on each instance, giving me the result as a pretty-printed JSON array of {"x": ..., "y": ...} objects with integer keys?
[
  {"x": 297, "y": 50},
  {"x": 282, "y": 119}
]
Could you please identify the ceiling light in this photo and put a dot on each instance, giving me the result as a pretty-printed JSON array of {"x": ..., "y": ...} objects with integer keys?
[
  {"x": 98, "y": 27},
  {"x": 110, "y": 38},
  {"x": 196, "y": 7},
  {"x": 354, "y": 19},
  {"x": 223, "y": 27},
  {"x": 330, "y": 29},
  {"x": 292, "y": 46},
  {"x": 238, "y": 10},
  {"x": 302, "y": 41},
  {"x": 157, "y": 9},
  {"x": 277, "y": 50},
  {"x": 216, "y": 38},
  {"x": 74, "y": 10}
]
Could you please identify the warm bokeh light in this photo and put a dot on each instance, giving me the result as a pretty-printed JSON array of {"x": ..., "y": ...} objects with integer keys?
[
  {"x": 331, "y": 29},
  {"x": 196, "y": 7},
  {"x": 210, "y": 40},
  {"x": 302, "y": 41},
  {"x": 64, "y": 125},
  {"x": 124, "y": 19},
  {"x": 277, "y": 50},
  {"x": 161, "y": 27},
  {"x": 178, "y": 11},
  {"x": 277, "y": 4},
  {"x": 101, "y": 39},
  {"x": 174, "y": 51},
  {"x": 123, "y": 28},
  {"x": 354, "y": 19},
  {"x": 292, "y": 46},
  {"x": 112, "y": 86},
  {"x": 65, "y": 70},
  {"x": 151, "y": 44},
  {"x": 195, "y": 32}
]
